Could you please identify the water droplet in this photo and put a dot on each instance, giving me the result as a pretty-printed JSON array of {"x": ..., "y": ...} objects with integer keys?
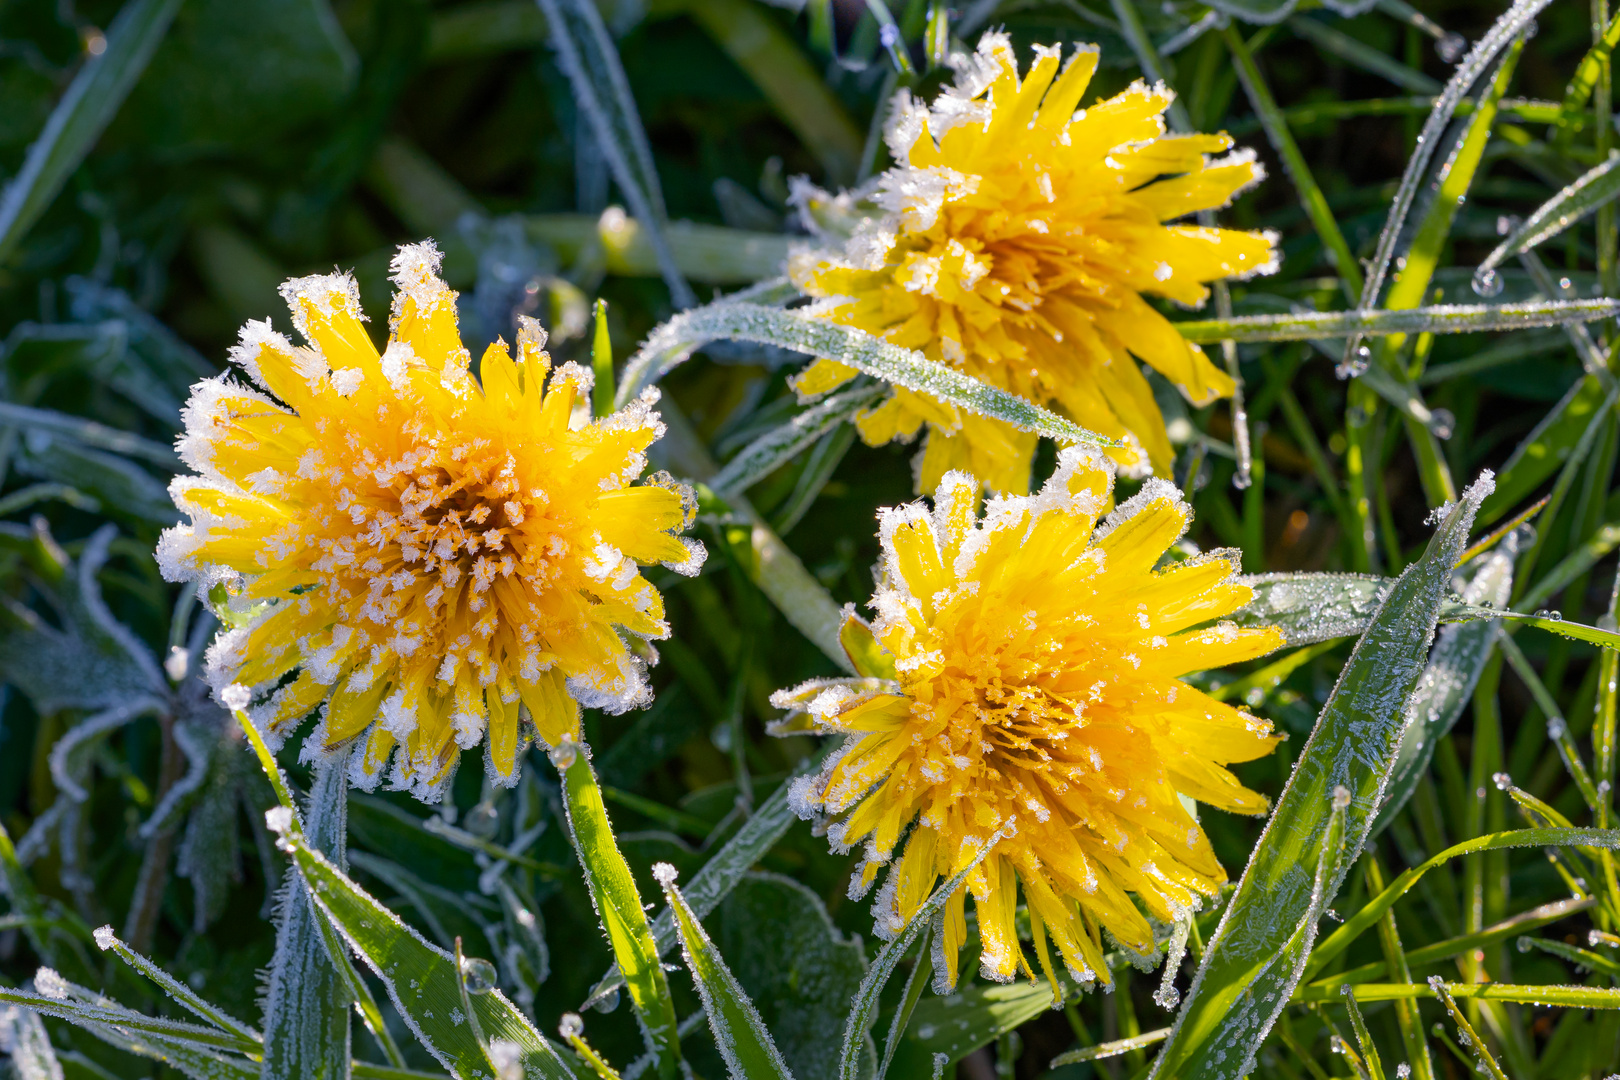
[
  {"x": 720, "y": 736},
  {"x": 1566, "y": 286},
  {"x": 1523, "y": 944},
  {"x": 608, "y": 1001},
  {"x": 1488, "y": 283},
  {"x": 1451, "y": 47},
  {"x": 478, "y": 975},
  {"x": 1442, "y": 422}
]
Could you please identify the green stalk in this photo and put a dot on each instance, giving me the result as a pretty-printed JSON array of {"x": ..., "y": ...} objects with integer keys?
[
  {"x": 1407, "y": 1016},
  {"x": 619, "y": 908},
  {"x": 1282, "y": 140}
]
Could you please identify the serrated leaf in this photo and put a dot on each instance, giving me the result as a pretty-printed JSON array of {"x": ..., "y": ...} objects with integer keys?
[{"x": 1250, "y": 965}]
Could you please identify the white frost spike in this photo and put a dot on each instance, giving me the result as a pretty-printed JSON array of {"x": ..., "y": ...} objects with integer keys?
[
  {"x": 665, "y": 874},
  {"x": 572, "y": 1025},
  {"x": 105, "y": 938},
  {"x": 235, "y": 697},
  {"x": 507, "y": 1057}
]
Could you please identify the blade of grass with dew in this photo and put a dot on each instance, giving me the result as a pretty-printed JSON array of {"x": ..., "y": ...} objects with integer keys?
[
  {"x": 421, "y": 979},
  {"x": 748, "y": 1050},
  {"x": 1454, "y": 667},
  {"x": 782, "y": 444},
  {"x": 306, "y": 1012},
  {"x": 768, "y": 823},
  {"x": 1435, "y": 319},
  {"x": 619, "y": 908},
  {"x": 1102, "y": 1051},
  {"x": 1502, "y": 33},
  {"x": 1596, "y": 187},
  {"x": 587, "y": 55},
  {"x": 1554, "y": 996},
  {"x": 92, "y": 99},
  {"x": 864, "y": 1008},
  {"x": 1422, "y": 255},
  {"x": 178, "y": 991},
  {"x": 733, "y": 321},
  {"x": 1252, "y": 962},
  {"x": 1330, "y": 861},
  {"x": 1369, "y": 914}
]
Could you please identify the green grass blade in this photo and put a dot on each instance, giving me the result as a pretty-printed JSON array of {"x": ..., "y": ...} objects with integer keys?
[
  {"x": 1111, "y": 1049},
  {"x": 89, "y": 433},
  {"x": 1246, "y": 975},
  {"x": 183, "y": 995},
  {"x": 586, "y": 53},
  {"x": 1597, "y": 187},
  {"x": 1336, "y": 942},
  {"x": 746, "y": 1046},
  {"x": 1435, "y": 319},
  {"x": 733, "y": 321},
  {"x": 1552, "y": 996},
  {"x": 1407, "y": 1016},
  {"x": 1587, "y": 73},
  {"x": 1502, "y": 33},
  {"x": 1469, "y": 1037},
  {"x": 780, "y": 445},
  {"x": 768, "y": 823},
  {"x": 1455, "y": 664},
  {"x": 1282, "y": 140},
  {"x": 81, "y": 115},
  {"x": 421, "y": 979},
  {"x": 1546, "y": 448},
  {"x": 1586, "y": 958},
  {"x": 865, "y": 1005},
  {"x": 619, "y": 909},
  {"x": 306, "y": 1012}
]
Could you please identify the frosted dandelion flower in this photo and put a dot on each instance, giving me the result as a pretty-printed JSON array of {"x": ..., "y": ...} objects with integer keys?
[
  {"x": 439, "y": 559},
  {"x": 1014, "y": 240},
  {"x": 1023, "y": 678}
]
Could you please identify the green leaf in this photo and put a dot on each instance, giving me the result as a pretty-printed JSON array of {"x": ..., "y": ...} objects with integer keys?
[
  {"x": 1448, "y": 682},
  {"x": 619, "y": 909},
  {"x": 306, "y": 1011},
  {"x": 732, "y": 320},
  {"x": 587, "y": 55},
  {"x": 738, "y": 1030},
  {"x": 79, "y": 118},
  {"x": 421, "y": 979},
  {"x": 768, "y": 823},
  {"x": 290, "y": 65},
  {"x": 1597, "y": 187},
  {"x": 1554, "y": 996},
  {"x": 782, "y": 444},
  {"x": 794, "y": 963},
  {"x": 1435, "y": 319},
  {"x": 1546, "y": 448},
  {"x": 1250, "y": 965},
  {"x": 1336, "y": 942},
  {"x": 866, "y": 999}
]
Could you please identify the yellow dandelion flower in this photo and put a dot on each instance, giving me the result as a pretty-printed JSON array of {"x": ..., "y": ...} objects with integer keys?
[
  {"x": 437, "y": 558},
  {"x": 1014, "y": 240},
  {"x": 1023, "y": 677}
]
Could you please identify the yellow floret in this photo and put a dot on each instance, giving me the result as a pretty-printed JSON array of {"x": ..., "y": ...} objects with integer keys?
[
  {"x": 1023, "y": 677},
  {"x": 1019, "y": 238},
  {"x": 440, "y": 559}
]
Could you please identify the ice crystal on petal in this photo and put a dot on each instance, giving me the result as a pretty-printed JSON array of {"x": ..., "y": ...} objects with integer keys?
[
  {"x": 1014, "y": 239},
  {"x": 1032, "y": 672},
  {"x": 440, "y": 562}
]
